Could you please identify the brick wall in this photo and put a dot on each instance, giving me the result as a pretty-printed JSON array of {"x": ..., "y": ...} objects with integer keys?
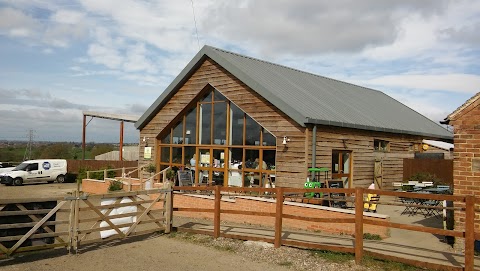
[
  {"x": 247, "y": 204},
  {"x": 466, "y": 162},
  {"x": 259, "y": 205}
]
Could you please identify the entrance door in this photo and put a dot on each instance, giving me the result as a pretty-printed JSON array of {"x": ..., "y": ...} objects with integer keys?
[
  {"x": 212, "y": 165},
  {"x": 342, "y": 167}
]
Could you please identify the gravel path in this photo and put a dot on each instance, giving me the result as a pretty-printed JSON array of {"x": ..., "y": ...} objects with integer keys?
[{"x": 179, "y": 251}]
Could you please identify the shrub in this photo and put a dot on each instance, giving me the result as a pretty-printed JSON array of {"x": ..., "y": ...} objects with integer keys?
[
  {"x": 170, "y": 174},
  {"x": 151, "y": 168},
  {"x": 115, "y": 185}
]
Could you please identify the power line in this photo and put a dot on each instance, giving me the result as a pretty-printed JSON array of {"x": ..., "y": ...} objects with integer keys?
[{"x": 195, "y": 21}]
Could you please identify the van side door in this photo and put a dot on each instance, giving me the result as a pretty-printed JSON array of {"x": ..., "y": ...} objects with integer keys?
[{"x": 34, "y": 173}]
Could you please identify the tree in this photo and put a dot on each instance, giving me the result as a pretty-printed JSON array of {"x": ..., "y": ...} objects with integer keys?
[
  {"x": 57, "y": 151},
  {"x": 101, "y": 148}
]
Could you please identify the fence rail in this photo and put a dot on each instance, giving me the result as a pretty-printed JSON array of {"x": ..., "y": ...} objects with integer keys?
[{"x": 86, "y": 219}]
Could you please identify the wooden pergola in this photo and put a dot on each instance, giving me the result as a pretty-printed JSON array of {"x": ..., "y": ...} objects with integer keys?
[{"x": 117, "y": 117}]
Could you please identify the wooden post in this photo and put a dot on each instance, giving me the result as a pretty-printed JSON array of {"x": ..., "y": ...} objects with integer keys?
[
  {"x": 104, "y": 174},
  {"x": 88, "y": 174},
  {"x": 358, "y": 225},
  {"x": 278, "y": 217},
  {"x": 76, "y": 221},
  {"x": 469, "y": 232},
  {"x": 120, "y": 151},
  {"x": 168, "y": 207},
  {"x": 216, "y": 214},
  {"x": 84, "y": 136}
]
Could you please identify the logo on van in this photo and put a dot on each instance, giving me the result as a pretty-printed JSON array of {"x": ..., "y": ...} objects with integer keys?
[{"x": 46, "y": 165}]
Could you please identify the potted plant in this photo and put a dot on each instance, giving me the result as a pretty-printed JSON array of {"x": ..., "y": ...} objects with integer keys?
[
  {"x": 170, "y": 174},
  {"x": 151, "y": 168}
]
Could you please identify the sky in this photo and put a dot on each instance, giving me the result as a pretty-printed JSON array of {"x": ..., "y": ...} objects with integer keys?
[{"x": 59, "y": 58}]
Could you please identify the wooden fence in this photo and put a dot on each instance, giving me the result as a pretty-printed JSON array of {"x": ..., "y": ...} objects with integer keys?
[
  {"x": 86, "y": 219},
  {"x": 442, "y": 169}
]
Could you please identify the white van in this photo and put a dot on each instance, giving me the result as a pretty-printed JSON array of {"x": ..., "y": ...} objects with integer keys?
[{"x": 42, "y": 170}]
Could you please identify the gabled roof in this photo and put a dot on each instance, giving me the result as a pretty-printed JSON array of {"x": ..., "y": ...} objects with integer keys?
[
  {"x": 461, "y": 108},
  {"x": 308, "y": 98}
]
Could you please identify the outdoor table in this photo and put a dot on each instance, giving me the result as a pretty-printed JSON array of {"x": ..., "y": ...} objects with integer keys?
[{"x": 436, "y": 190}]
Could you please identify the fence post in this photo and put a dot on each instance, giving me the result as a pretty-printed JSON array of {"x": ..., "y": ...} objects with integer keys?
[
  {"x": 278, "y": 217},
  {"x": 168, "y": 205},
  {"x": 216, "y": 214},
  {"x": 88, "y": 174},
  {"x": 104, "y": 174},
  {"x": 358, "y": 225},
  {"x": 469, "y": 232},
  {"x": 76, "y": 217}
]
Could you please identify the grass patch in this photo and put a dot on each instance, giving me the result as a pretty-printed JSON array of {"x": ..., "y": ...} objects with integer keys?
[
  {"x": 286, "y": 263},
  {"x": 369, "y": 236},
  {"x": 336, "y": 257},
  {"x": 224, "y": 248},
  {"x": 375, "y": 264}
]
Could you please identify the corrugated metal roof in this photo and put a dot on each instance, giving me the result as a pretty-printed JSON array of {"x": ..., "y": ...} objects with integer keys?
[{"x": 309, "y": 98}]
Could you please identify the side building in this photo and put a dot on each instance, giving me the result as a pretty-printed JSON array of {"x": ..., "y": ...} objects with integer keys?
[{"x": 244, "y": 120}]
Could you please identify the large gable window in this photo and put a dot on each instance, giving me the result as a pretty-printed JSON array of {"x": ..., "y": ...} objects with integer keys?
[{"x": 220, "y": 142}]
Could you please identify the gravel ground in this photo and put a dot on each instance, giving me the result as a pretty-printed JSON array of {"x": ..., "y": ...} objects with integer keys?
[{"x": 178, "y": 251}]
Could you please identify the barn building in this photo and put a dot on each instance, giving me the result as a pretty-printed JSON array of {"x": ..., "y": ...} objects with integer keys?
[{"x": 244, "y": 120}]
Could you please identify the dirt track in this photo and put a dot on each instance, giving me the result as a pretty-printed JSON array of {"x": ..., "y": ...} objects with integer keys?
[
  {"x": 159, "y": 253},
  {"x": 37, "y": 190}
]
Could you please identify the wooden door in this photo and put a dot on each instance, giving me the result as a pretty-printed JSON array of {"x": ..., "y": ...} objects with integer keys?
[
  {"x": 342, "y": 162},
  {"x": 378, "y": 174}
]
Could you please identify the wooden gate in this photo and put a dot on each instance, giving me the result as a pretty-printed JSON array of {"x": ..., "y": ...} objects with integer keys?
[
  {"x": 33, "y": 224},
  {"x": 111, "y": 216}
]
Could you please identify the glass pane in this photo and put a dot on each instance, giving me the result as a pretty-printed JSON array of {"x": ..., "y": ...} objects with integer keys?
[
  {"x": 235, "y": 178},
  {"x": 178, "y": 133},
  {"x": 335, "y": 166},
  {"x": 218, "y": 96},
  {"x": 346, "y": 162},
  {"x": 165, "y": 154},
  {"x": 219, "y": 123},
  {"x": 207, "y": 98},
  {"x": 205, "y": 158},
  {"x": 189, "y": 154},
  {"x": 236, "y": 130},
  {"x": 177, "y": 156},
  {"x": 205, "y": 119},
  {"x": 268, "y": 139},
  {"x": 269, "y": 158},
  {"x": 251, "y": 159},
  {"x": 166, "y": 139},
  {"x": 236, "y": 158},
  {"x": 191, "y": 127},
  {"x": 251, "y": 179},
  {"x": 252, "y": 132},
  {"x": 218, "y": 158}
]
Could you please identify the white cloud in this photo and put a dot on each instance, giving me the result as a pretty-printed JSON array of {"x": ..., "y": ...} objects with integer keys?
[
  {"x": 465, "y": 83},
  {"x": 68, "y": 17},
  {"x": 109, "y": 57}
]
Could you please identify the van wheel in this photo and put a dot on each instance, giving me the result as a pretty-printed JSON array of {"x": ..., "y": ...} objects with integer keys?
[
  {"x": 60, "y": 179},
  {"x": 18, "y": 181}
]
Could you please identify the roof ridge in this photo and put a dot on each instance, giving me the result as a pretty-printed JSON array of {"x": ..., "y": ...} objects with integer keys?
[
  {"x": 290, "y": 68},
  {"x": 463, "y": 106}
]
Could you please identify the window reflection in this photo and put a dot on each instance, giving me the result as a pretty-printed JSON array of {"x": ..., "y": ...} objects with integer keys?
[
  {"x": 178, "y": 133},
  {"x": 191, "y": 126},
  {"x": 236, "y": 130},
  {"x": 252, "y": 132},
  {"x": 205, "y": 120}
]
